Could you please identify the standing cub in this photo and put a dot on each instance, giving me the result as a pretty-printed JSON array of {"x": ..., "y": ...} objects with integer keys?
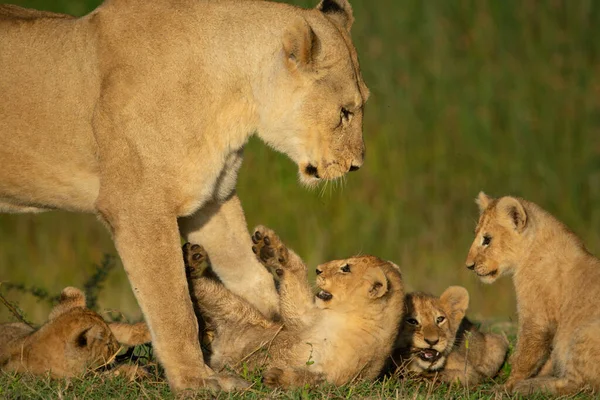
[
  {"x": 74, "y": 340},
  {"x": 436, "y": 339},
  {"x": 557, "y": 283},
  {"x": 345, "y": 333}
]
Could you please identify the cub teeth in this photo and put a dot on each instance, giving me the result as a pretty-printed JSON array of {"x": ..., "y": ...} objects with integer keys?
[{"x": 323, "y": 295}]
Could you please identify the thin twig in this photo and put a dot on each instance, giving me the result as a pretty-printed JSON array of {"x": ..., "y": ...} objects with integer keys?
[{"x": 15, "y": 312}]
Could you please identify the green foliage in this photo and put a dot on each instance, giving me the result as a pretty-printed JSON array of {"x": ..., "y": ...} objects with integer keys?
[{"x": 501, "y": 96}]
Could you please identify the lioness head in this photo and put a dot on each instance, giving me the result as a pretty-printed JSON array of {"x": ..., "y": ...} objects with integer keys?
[
  {"x": 313, "y": 110},
  {"x": 499, "y": 237},
  {"x": 429, "y": 328},
  {"x": 357, "y": 283}
]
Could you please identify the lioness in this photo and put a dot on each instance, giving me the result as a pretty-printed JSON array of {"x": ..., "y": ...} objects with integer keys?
[
  {"x": 139, "y": 112},
  {"x": 437, "y": 340},
  {"x": 74, "y": 340},
  {"x": 557, "y": 282},
  {"x": 344, "y": 333}
]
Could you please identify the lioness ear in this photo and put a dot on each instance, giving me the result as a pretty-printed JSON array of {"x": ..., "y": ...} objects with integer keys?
[
  {"x": 339, "y": 11},
  {"x": 512, "y": 209},
  {"x": 70, "y": 297},
  {"x": 300, "y": 44},
  {"x": 483, "y": 201},
  {"x": 130, "y": 334},
  {"x": 455, "y": 301},
  {"x": 378, "y": 284}
]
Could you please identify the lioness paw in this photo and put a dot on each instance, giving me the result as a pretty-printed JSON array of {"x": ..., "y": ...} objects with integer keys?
[
  {"x": 269, "y": 249},
  {"x": 195, "y": 258}
]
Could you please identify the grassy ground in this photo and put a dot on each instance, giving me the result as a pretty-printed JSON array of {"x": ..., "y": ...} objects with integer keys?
[{"x": 501, "y": 96}]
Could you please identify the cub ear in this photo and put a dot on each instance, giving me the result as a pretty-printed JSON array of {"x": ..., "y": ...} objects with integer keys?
[
  {"x": 130, "y": 334},
  {"x": 511, "y": 209},
  {"x": 455, "y": 301},
  {"x": 339, "y": 11},
  {"x": 483, "y": 201},
  {"x": 300, "y": 45},
  {"x": 378, "y": 284},
  {"x": 70, "y": 298}
]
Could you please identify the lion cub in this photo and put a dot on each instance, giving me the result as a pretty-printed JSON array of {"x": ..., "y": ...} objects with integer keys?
[
  {"x": 74, "y": 340},
  {"x": 436, "y": 339},
  {"x": 346, "y": 332},
  {"x": 557, "y": 283}
]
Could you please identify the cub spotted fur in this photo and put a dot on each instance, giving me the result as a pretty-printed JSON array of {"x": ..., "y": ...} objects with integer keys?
[
  {"x": 139, "y": 113},
  {"x": 436, "y": 339},
  {"x": 557, "y": 283},
  {"x": 345, "y": 332},
  {"x": 74, "y": 340}
]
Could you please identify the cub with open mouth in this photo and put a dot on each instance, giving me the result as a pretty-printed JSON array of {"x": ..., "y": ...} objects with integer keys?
[
  {"x": 345, "y": 332},
  {"x": 436, "y": 339}
]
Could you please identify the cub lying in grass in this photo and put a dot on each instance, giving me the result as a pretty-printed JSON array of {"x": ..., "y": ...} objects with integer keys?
[
  {"x": 345, "y": 333},
  {"x": 436, "y": 339},
  {"x": 557, "y": 282},
  {"x": 73, "y": 341}
]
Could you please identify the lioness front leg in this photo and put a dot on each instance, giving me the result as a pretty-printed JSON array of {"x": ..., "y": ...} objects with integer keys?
[
  {"x": 222, "y": 230},
  {"x": 296, "y": 298}
]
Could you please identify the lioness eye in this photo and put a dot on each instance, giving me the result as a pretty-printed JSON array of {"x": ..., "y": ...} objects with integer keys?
[
  {"x": 486, "y": 240},
  {"x": 440, "y": 319},
  {"x": 346, "y": 268},
  {"x": 345, "y": 115},
  {"x": 412, "y": 321}
]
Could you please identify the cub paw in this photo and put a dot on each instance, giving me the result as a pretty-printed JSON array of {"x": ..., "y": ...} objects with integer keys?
[
  {"x": 273, "y": 377},
  {"x": 269, "y": 249},
  {"x": 195, "y": 258}
]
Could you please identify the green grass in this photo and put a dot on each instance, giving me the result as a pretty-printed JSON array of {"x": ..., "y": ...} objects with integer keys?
[{"x": 501, "y": 96}]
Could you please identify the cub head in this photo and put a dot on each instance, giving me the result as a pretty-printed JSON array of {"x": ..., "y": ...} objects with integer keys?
[
  {"x": 429, "y": 328},
  {"x": 73, "y": 340},
  {"x": 311, "y": 103},
  {"x": 358, "y": 283},
  {"x": 499, "y": 237}
]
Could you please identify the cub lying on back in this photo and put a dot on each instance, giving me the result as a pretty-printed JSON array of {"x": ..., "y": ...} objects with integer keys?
[
  {"x": 436, "y": 339},
  {"x": 74, "y": 340},
  {"x": 346, "y": 332},
  {"x": 557, "y": 283}
]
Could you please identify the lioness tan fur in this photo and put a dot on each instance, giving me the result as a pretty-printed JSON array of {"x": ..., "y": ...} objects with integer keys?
[
  {"x": 557, "y": 283},
  {"x": 437, "y": 340},
  {"x": 139, "y": 112},
  {"x": 346, "y": 332},
  {"x": 74, "y": 340}
]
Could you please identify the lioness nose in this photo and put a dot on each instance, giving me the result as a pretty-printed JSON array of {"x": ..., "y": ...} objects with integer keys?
[
  {"x": 318, "y": 271},
  {"x": 471, "y": 266},
  {"x": 354, "y": 168},
  {"x": 432, "y": 342}
]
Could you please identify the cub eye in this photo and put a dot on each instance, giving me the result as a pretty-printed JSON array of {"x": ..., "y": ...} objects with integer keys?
[
  {"x": 486, "y": 240},
  {"x": 412, "y": 321},
  {"x": 345, "y": 115},
  {"x": 440, "y": 319},
  {"x": 346, "y": 268}
]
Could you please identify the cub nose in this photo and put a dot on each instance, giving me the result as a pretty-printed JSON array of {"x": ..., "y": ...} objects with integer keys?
[
  {"x": 318, "y": 271},
  {"x": 471, "y": 266},
  {"x": 432, "y": 342}
]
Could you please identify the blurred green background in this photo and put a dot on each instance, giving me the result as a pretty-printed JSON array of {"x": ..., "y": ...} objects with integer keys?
[{"x": 467, "y": 95}]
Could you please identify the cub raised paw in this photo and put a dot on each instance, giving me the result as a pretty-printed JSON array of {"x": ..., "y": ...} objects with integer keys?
[
  {"x": 269, "y": 249},
  {"x": 196, "y": 260}
]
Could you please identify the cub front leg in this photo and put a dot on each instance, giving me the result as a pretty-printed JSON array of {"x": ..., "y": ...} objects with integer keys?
[
  {"x": 222, "y": 230},
  {"x": 295, "y": 296},
  {"x": 532, "y": 350}
]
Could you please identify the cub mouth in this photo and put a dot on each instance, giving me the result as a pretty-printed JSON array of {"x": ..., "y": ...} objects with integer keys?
[
  {"x": 429, "y": 355},
  {"x": 324, "y": 295},
  {"x": 490, "y": 274}
]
